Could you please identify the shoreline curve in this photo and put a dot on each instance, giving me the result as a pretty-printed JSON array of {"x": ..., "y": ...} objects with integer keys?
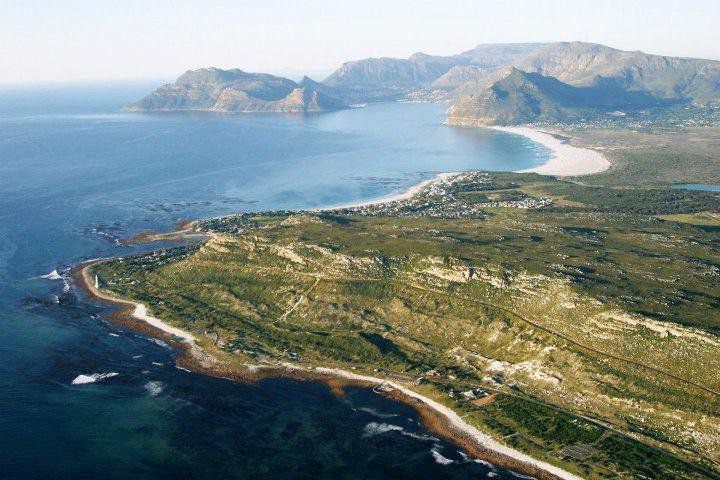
[
  {"x": 437, "y": 418},
  {"x": 565, "y": 160}
]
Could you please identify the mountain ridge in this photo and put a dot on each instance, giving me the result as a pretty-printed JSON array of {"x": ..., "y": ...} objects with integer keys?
[
  {"x": 387, "y": 78},
  {"x": 218, "y": 90},
  {"x": 566, "y": 81}
]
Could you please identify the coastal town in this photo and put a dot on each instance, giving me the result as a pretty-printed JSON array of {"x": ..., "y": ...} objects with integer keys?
[{"x": 463, "y": 195}]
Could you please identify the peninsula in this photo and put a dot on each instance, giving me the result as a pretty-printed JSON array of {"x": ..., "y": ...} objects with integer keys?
[
  {"x": 504, "y": 307},
  {"x": 560, "y": 321},
  {"x": 216, "y": 90}
]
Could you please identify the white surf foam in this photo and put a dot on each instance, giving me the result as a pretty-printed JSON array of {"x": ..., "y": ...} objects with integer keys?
[
  {"x": 375, "y": 428},
  {"x": 476, "y": 460},
  {"x": 157, "y": 341},
  {"x": 154, "y": 387},
  {"x": 440, "y": 459},
  {"x": 419, "y": 436},
  {"x": 375, "y": 413},
  {"x": 458, "y": 423},
  {"x": 92, "y": 378},
  {"x": 54, "y": 275},
  {"x": 378, "y": 428}
]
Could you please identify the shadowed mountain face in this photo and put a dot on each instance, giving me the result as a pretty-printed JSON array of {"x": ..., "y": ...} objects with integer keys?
[
  {"x": 213, "y": 89},
  {"x": 567, "y": 82},
  {"x": 580, "y": 64},
  {"x": 522, "y": 97}
]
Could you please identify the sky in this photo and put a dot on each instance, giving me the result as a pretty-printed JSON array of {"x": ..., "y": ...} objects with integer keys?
[{"x": 82, "y": 40}]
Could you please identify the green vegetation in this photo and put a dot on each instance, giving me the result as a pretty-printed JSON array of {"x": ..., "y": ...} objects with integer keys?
[
  {"x": 547, "y": 429},
  {"x": 701, "y": 219},
  {"x": 652, "y": 157},
  {"x": 594, "y": 321}
]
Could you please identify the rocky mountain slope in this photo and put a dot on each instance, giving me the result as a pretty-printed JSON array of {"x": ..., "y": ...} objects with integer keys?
[
  {"x": 569, "y": 81},
  {"x": 374, "y": 79},
  {"x": 213, "y": 89},
  {"x": 523, "y": 97},
  {"x": 490, "y": 84}
]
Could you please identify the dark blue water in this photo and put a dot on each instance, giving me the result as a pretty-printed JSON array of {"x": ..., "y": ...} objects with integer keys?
[{"x": 76, "y": 175}]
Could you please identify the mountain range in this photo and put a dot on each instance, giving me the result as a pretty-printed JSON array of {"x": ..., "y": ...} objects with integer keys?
[
  {"x": 213, "y": 89},
  {"x": 490, "y": 84}
]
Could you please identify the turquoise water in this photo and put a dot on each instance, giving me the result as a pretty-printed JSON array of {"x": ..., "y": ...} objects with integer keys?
[
  {"x": 76, "y": 175},
  {"x": 702, "y": 188}
]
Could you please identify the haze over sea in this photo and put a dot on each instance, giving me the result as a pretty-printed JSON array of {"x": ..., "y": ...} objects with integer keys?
[{"x": 76, "y": 175}]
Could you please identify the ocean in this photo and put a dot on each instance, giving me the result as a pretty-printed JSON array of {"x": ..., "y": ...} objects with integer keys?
[{"x": 77, "y": 174}]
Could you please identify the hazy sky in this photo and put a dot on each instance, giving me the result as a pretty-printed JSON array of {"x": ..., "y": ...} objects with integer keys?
[{"x": 58, "y": 40}]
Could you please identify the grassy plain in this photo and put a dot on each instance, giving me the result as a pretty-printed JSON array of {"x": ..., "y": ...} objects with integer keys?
[
  {"x": 687, "y": 155},
  {"x": 594, "y": 318}
]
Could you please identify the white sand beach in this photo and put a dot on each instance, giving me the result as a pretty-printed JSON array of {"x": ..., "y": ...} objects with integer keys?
[
  {"x": 565, "y": 160},
  {"x": 458, "y": 423},
  {"x": 140, "y": 311},
  {"x": 394, "y": 197}
]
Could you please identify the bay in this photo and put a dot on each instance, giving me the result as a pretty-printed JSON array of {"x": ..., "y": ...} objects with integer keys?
[{"x": 77, "y": 174}]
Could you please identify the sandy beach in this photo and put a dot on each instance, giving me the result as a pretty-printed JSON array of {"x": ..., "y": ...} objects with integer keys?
[
  {"x": 436, "y": 417},
  {"x": 565, "y": 159},
  {"x": 394, "y": 197},
  {"x": 139, "y": 311}
]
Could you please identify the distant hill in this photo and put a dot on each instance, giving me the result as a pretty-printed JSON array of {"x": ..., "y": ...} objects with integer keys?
[
  {"x": 489, "y": 84},
  {"x": 374, "y": 79},
  {"x": 570, "y": 81},
  {"x": 523, "y": 97},
  {"x": 213, "y": 89},
  {"x": 460, "y": 75},
  {"x": 581, "y": 64}
]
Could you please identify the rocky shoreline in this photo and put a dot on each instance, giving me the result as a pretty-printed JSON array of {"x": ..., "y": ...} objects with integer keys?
[{"x": 438, "y": 419}]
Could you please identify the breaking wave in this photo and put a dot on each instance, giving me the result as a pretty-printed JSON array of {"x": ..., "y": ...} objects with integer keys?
[
  {"x": 157, "y": 341},
  {"x": 54, "y": 275},
  {"x": 92, "y": 378},
  {"x": 154, "y": 387},
  {"x": 375, "y": 413},
  {"x": 375, "y": 428},
  {"x": 440, "y": 459},
  {"x": 476, "y": 460},
  {"x": 420, "y": 436}
]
